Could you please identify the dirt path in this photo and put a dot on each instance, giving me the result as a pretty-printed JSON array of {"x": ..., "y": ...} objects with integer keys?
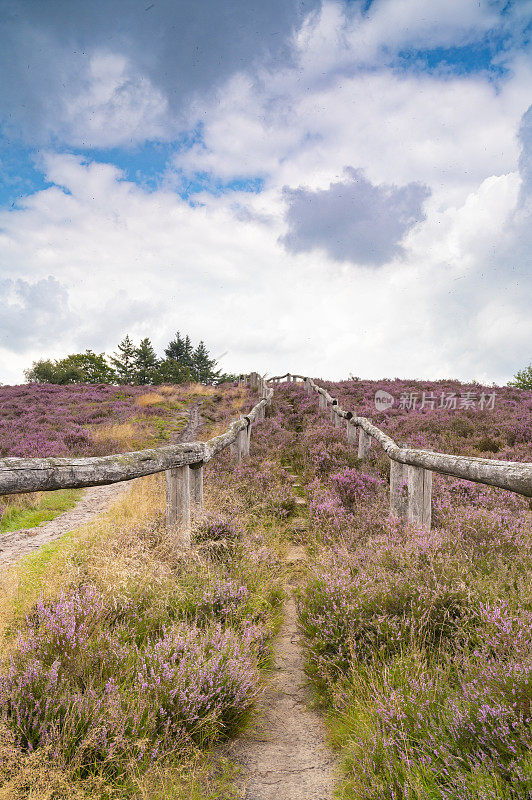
[
  {"x": 190, "y": 431},
  {"x": 95, "y": 500},
  {"x": 285, "y": 757}
]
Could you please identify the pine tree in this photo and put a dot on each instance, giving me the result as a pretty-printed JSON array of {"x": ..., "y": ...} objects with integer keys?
[
  {"x": 203, "y": 365},
  {"x": 179, "y": 350},
  {"x": 146, "y": 363},
  {"x": 124, "y": 361}
]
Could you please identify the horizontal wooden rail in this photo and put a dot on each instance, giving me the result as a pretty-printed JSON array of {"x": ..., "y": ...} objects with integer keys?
[{"x": 19, "y": 475}]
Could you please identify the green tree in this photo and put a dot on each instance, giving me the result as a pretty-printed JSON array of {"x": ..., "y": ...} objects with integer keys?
[
  {"x": 146, "y": 363},
  {"x": 42, "y": 371},
  {"x": 171, "y": 371},
  {"x": 180, "y": 350},
  {"x": 124, "y": 361},
  {"x": 87, "y": 367},
  {"x": 203, "y": 365},
  {"x": 523, "y": 378}
]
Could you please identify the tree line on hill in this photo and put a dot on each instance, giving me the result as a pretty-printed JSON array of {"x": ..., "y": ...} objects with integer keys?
[{"x": 132, "y": 365}]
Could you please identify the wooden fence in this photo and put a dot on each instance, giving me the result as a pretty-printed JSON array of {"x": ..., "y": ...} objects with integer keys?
[
  {"x": 410, "y": 468},
  {"x": 182, "y": 463}
]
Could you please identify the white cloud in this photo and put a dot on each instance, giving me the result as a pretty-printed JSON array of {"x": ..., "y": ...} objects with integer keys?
[
  {"x": 116, "y": 106},
  {"x": 32, "y": 313},
  {"x": 148, "y": 263}
]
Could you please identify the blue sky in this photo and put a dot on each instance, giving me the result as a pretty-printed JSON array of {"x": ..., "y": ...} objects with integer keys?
[{"x": 175, "y": 165}]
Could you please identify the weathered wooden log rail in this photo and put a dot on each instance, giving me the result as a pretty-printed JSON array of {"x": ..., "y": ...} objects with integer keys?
[
  {"x": 182, "y": 463},
  {"x": 410, "y": 468}
]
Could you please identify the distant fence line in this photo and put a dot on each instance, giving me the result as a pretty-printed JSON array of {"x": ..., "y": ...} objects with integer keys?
[
  {"x": 182, "y": 463},
  {"x": 411, "y": 467}
]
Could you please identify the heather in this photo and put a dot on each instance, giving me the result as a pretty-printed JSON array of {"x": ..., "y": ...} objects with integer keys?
[
  {"x": 42, "y": 420},
  {"x": 79, "y": 682},
  {"x": 447, "y": 415},
  {"x": 418, "y": 643}
]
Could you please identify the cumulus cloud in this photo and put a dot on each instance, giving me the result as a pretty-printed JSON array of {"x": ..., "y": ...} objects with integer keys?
[
  {"x": 353, "y": 220},
  {"x": 32, "y": 313}
]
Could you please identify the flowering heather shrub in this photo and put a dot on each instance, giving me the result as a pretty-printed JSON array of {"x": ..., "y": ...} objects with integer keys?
[
  {"x": 197, "y": 680},
  {"x": 471, "y": 740},
  {"x": 223, "y": 599},
  {"x": 355, "y": 487},
  {"x": 40, "y": 420},
  {"x": 81, "y": 686},
  {"x": 503, "y": 432},
  {"x": 368, "y": 607},
  {"x": 217, "y": 527}
]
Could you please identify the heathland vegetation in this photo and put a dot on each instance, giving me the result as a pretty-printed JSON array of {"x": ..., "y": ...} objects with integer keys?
[{"x": 126, "y": 660}]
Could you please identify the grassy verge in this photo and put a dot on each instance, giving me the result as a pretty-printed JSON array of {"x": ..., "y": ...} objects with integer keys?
[{"x": 27, "y": 511}]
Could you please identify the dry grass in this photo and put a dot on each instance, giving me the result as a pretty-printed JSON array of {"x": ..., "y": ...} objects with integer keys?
[
  {"x": 151, "y": 398},
  {"x": 126, "y": 435},
  {"x": 241, "y": 399},
  {"x": 196, "y": 779},
  {"x": 200, "y": 389}
]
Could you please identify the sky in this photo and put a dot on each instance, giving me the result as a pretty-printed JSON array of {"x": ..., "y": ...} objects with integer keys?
[{"x": 330, "y": 188}]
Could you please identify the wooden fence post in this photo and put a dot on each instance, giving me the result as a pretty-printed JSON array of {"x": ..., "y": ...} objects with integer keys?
[
  {"x": 364, "y": 443},
  {"x": 243, "y": 442},
  {"x": 337, "y": 420},
  {"x": 178, "y": 502},
  {"x": 351, "y": 432},
  {"x": 419, "y": 496},
  {"x": 398, "y": 493},
  {"x": 196, "y": 484}
]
